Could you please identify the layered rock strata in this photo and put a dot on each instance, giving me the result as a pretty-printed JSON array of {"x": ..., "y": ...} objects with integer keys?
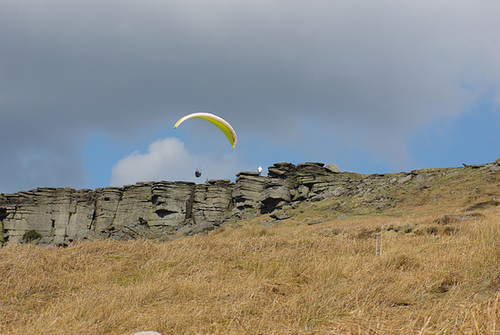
[{"x": 164, "y": 209}]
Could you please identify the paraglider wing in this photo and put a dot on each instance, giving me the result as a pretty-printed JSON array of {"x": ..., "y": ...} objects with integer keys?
[{"x": 217, "y": 121}]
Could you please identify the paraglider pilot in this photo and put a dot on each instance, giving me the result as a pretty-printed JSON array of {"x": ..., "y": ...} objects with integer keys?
[{"x": 219, "y": 122}]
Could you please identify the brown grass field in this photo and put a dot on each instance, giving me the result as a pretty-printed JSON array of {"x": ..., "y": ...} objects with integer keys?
[{"x": 399, "y": 271}]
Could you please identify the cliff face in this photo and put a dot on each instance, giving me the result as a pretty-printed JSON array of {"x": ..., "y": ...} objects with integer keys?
[
  {"x": 165, "y": 209},
  {"x": 156, "y": 209}
]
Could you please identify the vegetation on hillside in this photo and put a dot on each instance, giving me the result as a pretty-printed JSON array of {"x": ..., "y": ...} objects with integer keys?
[{"x": 324, "y": 267}]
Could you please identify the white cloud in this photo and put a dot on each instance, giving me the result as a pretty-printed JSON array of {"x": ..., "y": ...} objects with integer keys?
[{"x": 168, "y": 159}]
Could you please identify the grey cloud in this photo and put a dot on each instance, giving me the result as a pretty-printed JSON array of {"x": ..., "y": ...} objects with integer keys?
[{"x": 380, "y": 69}]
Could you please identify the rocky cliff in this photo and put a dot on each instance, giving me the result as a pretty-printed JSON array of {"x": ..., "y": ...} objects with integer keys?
[{"x": 59, "y": 216}]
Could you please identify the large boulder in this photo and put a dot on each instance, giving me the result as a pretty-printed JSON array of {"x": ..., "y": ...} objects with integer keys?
[
  {"x": 332, "y": 168},
  {"x": 277, "y": 193},
  {"x": 247, "y": 192},
  {"x": 281, "y": 170}
]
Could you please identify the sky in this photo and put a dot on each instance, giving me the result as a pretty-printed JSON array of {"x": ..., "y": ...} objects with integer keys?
[{"x": 90, "y": 90}]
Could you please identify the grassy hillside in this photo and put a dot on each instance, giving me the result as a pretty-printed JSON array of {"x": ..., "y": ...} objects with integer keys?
[{"x": 329, "y": 267}]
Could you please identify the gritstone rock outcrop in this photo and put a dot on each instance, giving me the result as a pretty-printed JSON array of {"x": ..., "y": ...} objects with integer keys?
[{"x": 164, "y": 209}]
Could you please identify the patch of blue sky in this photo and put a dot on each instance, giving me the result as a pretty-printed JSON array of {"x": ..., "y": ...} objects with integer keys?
[
  {"x": 473, "y": 137},
  {"x": 99, "y": 155},
  {"x": 329, "y": 144},
  {"x": 102, "y": 151}
]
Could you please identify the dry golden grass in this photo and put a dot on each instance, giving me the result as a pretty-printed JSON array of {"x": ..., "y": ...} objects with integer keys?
[{"x": 289, "y": 278}]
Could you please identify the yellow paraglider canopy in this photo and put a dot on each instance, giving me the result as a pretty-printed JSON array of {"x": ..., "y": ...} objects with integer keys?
[{"x": 216, "y": 120}]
